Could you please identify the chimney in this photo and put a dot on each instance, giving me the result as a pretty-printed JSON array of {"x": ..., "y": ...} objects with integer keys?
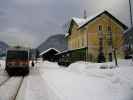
[{"x": 85, "y": 14}]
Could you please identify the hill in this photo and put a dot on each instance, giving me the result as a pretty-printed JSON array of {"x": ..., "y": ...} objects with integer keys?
[{"x": 57, "y": 41}]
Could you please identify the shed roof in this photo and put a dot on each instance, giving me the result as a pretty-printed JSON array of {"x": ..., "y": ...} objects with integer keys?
[
  {"x": 50, "y": 49},
  {"x": 66, "y": 51}
]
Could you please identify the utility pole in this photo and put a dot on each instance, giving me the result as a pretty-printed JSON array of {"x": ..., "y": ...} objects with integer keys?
[
  {"x": 114, "y": 51},
  {"x": 130, "y": 7},
  {"x": 86, "y": 47}
]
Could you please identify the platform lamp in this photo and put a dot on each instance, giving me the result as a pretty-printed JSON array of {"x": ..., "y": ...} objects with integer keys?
[{"x": 130, "y": 7}]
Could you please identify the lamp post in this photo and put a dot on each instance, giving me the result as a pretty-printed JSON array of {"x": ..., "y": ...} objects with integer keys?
[
  {"x": 87, "y": 47},
  {"x": 130, "y": 7}
]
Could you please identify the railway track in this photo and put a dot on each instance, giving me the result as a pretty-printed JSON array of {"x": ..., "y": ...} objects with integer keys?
[
  {"x": 19, "y": 88},
  {"x": 10, "y": 88},
  {"x": 4, "y": 81}
]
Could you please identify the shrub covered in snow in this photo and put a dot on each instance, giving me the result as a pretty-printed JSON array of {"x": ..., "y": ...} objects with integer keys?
[{"x": 109, "y": 65}]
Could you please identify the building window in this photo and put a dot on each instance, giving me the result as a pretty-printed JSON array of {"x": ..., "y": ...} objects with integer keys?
[
  {"x": 78, "y": 44},
  {"x": 82, "y": 41},
  {"x": 100, "y": 27},
  {"x": 109, "y": 28}
]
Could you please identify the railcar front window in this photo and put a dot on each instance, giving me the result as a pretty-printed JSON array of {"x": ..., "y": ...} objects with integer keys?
[{"x": 22, "y": 55}]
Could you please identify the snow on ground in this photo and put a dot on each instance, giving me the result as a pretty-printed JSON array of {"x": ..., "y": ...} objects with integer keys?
[
  {"x": 35, "y": 88},
  {"x": 80, "y": 81},
  {"x": 2, "y": 64},
  {"x": 89, "y": 82},
  {"x": 3, "y": 74},
  {"x": 48, "y": 64}
]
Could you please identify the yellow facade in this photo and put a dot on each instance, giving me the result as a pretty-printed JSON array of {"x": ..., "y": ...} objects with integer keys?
[{"x": 88, "y": 36}]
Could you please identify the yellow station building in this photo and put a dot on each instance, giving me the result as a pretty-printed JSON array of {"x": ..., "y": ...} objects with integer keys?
[{"x": 99, "y": 33}]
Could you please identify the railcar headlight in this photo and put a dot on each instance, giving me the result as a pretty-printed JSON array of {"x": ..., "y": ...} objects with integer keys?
[
  {"x": 10, "y": 63},
  {"x": 21, "y": 64}
]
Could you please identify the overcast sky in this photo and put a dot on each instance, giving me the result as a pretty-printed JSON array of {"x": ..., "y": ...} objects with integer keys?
[{"x": 29, "y": 22}]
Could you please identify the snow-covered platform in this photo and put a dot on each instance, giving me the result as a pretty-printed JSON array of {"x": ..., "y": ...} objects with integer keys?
[{"x": 80, "y": 81}]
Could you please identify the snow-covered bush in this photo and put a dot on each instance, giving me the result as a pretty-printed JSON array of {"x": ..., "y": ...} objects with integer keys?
[
  {"x": 84, "y": 66},
  {"x": 107, "y": 66}
]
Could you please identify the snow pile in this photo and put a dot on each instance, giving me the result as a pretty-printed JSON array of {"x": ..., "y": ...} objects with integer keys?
[
  {"x": 125, "y": 63},
  {"x": 88, "y": 68},
  {"x": 78, "y": 66},
  {"x": 108, "y": 65},
  {"x": 101, "y": 69},
  {"x": 3, "y": 74},
  {"x": 2, "y": 64},
  {"x": 84, "y": 81},
  {"x": 83, "y": 66},
  {"x": 94, "y": 84},
  {"x": 48, "y": 64}
]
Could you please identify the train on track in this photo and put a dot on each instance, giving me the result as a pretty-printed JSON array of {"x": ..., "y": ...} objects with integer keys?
[{"x": 17, "y": 62}]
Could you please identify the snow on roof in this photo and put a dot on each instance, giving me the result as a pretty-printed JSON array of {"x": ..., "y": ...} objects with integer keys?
[
  {"x": 65, "y": 51},
  {"x": 90, "y": 18},
  {"x": 66, "y": 34},
  {"x": 82, "y": 21},
  {"x": 49, "y": 50},
  {"x": 79, "y": 21}
]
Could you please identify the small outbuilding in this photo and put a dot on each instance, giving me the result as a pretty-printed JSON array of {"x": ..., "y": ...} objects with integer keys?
[
  {"x": 128, "y": 37},
  {"x": 49, "y": 54}
]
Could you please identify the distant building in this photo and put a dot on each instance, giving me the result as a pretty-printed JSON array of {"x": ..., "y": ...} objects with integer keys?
[
  {"x": 100, "y": 34},
  {"x": 128, "y": 36},
  {"x": 49, "y": 54},
  {"x": 52, "y": 45}
]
